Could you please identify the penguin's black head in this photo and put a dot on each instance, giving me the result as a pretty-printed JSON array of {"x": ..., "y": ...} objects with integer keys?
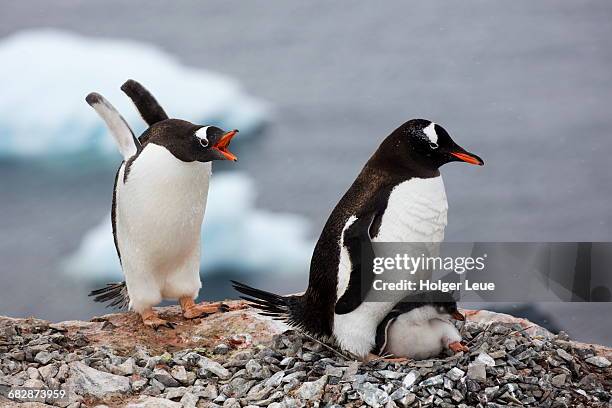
[
  {"x": 448, "y": 309},
  {"x": 426, "y": 143},
  {"x": 189, "y": 142},
  {"x": 443, "y": 303}
]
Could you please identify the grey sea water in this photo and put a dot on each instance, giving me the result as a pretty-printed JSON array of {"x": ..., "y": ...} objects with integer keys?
[{"x": 525, "y": 85}]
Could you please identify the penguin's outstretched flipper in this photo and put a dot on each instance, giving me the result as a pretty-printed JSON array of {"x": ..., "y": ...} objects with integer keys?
[
  {"x": 150, "y": 110},
  {"x": 115, "y": 293},
  {"x": 127, "y": 143}
]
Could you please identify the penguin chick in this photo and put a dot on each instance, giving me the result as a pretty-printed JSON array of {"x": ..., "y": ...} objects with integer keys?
[
  {"x": 159, "y": 200},
  {"x": 419, "y": 331},
  {"x": 399, "y": 196}
]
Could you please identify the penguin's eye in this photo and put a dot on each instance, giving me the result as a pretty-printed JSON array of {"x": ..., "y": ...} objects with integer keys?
[
  {"x": 433, "y": 145},
  {"x": 202, "y": 136}
]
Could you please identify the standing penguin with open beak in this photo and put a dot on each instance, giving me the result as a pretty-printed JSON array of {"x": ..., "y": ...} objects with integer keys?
[
  {"x": 399, "y": 196},
  {"x": 158, "y": 206}
]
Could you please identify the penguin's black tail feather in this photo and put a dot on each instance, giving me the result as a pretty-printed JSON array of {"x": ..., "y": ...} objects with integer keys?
[
  {"x": 115, "y": 293},
  {"x": 285, "y": 308}
]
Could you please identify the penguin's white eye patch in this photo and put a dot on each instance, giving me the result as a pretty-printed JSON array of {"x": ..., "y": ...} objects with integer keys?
[
  {"x": 202, "y": 134},
  {"x": 430, "y": 132}
]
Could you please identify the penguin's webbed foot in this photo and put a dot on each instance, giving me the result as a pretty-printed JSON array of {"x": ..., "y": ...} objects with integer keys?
[
  {"x": 191, "y": 310},
  {"x": 457, "y": 346}
]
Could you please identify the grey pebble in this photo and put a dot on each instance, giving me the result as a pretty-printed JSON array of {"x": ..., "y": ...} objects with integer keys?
[
  {"x": 43, "y": 357},
  {"x": 33, "y": 373},
  {"x": 372, "y": 395},
  {"x": 209, "y": 391},
  {"x": 485, "y": 359},
  {"x": 564, "y": 355},
  {"x": 312, "y": 390},
  {"x": 189, "y": 400},
  {"x": 455, "y": 374},
  {"x": 165, "y": 378},
  {"x": 410, "y": 379},
  {"x": 275, "y": 380},
  {"x": 432, "y": 381},
  {"x": 477, "y": 371},
  {"x": 175, "y": 392},
  {"x": 598, "y": 361},
  {"x": 221, "y": 348},
  {"x": 294, "y": 376},
  {"x": 558, "y": 380},
  {"x": 139, "y": 385},
  {"x": 214, "y": 367}
]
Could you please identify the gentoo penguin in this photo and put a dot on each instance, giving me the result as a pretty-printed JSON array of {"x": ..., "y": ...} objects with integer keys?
[
  {"x": 399, "y": 196},
  {"x": 420, "y": 328},
  {"x": 159, "y": 199}
]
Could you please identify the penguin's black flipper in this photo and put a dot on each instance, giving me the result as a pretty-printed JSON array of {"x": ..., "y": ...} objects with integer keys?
[
  {"x": 358, "y": 242},
  {"x": 150, "y": 110},
  {"x": 115, "y": 293}
]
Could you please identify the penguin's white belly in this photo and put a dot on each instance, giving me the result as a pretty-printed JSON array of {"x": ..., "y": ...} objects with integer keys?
[
  {"x": 420, "y": 340},
  {"x": 416, "y": 212},
  {"x": 159, "y": 213}
]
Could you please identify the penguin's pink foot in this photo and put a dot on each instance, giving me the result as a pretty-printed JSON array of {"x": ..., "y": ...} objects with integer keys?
[
  {"x": 151, "y": 319},
  {"x": 457, "y": 346},
  {"x": 191, "y": 310}
]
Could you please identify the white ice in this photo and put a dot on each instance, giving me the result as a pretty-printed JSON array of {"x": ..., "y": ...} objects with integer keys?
[
  {"x": 235, "y": 236},
  {"x": 47, "y": 74}
]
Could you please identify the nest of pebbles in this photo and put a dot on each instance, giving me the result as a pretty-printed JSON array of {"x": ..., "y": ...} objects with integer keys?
[{"x": 505, "y": 367}]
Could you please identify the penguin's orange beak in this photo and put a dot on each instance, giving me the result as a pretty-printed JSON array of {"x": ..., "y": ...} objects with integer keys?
[
  {"x": 223, "y": 143},
  {"x": 468, "y": 158},
  {"x": 458, "y": 316}
]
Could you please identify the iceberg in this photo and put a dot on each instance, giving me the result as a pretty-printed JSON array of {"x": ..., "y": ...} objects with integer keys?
[
  {"x": 236, "y": 236},
  {"x": 47, "y": 74}
]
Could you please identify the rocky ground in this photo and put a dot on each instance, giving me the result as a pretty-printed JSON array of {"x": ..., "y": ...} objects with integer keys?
[{"x": 238, "y": 359}]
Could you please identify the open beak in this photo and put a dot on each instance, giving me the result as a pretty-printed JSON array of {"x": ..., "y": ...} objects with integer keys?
[
  {"x": 223, "y": 143},
  {"x": 458, "y": 316},
  {"x": 468, "y": 158}
]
